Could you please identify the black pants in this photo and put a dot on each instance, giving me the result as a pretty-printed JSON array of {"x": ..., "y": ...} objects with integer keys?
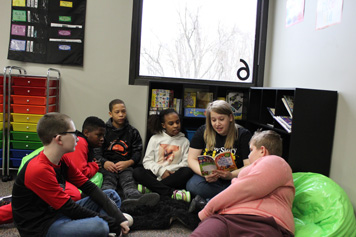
[{"x": 166, "y": 186}]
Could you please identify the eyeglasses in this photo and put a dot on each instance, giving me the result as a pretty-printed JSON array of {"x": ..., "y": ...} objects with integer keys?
[{"x": 75, "y": 133}]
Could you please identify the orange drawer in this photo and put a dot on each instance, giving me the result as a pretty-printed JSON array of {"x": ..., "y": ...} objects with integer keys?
[
  {"x": 32, "y": 109},
  {"x": 33, "y": 81},
  {"x": 32, "y": 100},
  {"x": 35, "y": 91}
]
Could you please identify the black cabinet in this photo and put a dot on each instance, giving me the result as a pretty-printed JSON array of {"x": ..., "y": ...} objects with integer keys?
[{"x": 307, "y": 148}]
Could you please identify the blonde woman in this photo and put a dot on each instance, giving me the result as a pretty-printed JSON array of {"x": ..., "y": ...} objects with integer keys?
[{"x": 219, "y": 134}]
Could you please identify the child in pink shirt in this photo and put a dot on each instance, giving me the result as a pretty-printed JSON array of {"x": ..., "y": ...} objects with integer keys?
[{"x": 259, "y": 201}]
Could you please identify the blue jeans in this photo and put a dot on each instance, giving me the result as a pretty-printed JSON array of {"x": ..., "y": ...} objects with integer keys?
[
  {"x": 197, "y": 185},
  {"x": 93, "y": 226}
]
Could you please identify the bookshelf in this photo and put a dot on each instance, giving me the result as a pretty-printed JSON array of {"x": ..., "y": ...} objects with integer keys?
[{"x": 307, "y": 148}]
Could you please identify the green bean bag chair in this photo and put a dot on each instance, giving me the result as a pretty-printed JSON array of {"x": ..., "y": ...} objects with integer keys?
[
  {"x": 97, "y": 179},
  {"x": 321, "y": 207}
]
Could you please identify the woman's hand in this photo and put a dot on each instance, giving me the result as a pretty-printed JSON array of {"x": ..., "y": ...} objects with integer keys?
[
  {"x": 223, "y": 174},
  {"x": 211, "y": 178}
]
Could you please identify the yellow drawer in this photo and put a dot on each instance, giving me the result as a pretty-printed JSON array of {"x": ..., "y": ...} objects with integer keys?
[
  {"x": 24, "y": 127},
  {"x": 26, "y": 118}
]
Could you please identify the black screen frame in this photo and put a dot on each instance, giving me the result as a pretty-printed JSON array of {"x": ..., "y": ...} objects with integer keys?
[{"x": 259, "y": 53}]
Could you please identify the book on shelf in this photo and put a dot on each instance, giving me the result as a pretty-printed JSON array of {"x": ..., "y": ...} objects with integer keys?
[
  {"x": 177, "y": 105},
  {"x": 204, "y": 98},
  {"x": 272, "y": 111},
  {"x": 235, "y": 99},
  {"x": 190, "y": 99},
  {"x": 222, "y": 161},
  {"x": 285, "y": 122},
  {"x": 162, "y": 98},
  {"x": 288, "y": 103}
]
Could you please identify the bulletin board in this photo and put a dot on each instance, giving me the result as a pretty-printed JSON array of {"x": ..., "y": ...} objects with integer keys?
[{"x": 47, "y": 31}]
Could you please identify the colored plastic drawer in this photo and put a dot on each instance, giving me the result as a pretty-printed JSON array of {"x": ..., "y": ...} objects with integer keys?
[
  {"x": 2, "y": 108},
  {"x": 30, "y": 145},
  {"x": 24, "y": 127},
  {"x": 24, "y": 136},
  {"x": 19, "y": 153},
  {"x": 15, "y": 162},
  {"x": 33, "y": 81},
  {"x": 32, "y": 100},
  {"x": 26, "y": 118},
  {"x": 35, "y": 91},
  {"x": 32, "y": 109}
]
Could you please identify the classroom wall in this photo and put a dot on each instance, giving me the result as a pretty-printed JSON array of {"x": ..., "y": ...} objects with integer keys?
[
  {"x": 300, "y": 56},
  {"x": 87, "y": 90}
]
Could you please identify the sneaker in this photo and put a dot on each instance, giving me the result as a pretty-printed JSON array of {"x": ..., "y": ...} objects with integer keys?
[
  {"x": 129, "y": 218},
  {"x": 142, "y": 189},
  {"x": 5, "y": 200},
  {"x": 148, "y": 199},
  {"x": 197, "y": 204},
  {"x": 181, "y": 195}
]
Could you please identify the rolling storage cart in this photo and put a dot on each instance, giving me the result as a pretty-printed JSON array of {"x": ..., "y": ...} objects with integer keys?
[{"x": 29, "y": 97}]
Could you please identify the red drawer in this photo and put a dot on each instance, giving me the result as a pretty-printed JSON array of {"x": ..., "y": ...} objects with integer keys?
[
  {"x": 32, "y": 100},
  {"x": 35, "y": 91},
  {"x": 2, "y": 108},
  {"x": 33, "y": 81},
  {"x": 32, "y": 109}
]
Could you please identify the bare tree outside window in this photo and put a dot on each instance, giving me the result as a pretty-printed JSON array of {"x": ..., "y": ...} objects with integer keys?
[{"x": 211, "y": 40}]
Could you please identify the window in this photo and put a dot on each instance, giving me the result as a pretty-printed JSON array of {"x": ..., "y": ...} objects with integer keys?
[{"x": 200, "y": 41}]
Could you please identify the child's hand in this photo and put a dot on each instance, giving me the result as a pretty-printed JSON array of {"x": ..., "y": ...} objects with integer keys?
[
  {"x": 125, "y": 227},
  {"x": 97, "y": 162},
  {"x": 167, "y": 173},
  {"x": 121, "y": 165},
  {"x": 110, "y": 166}
]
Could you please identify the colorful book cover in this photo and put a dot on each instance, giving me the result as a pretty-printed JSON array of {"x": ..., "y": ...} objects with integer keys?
[
  {"x": 190, "y": 99},
  {"x": 161, "y": 98},
  {"x": 236, "y": 101},
  {"x": 222, "y": 161}
]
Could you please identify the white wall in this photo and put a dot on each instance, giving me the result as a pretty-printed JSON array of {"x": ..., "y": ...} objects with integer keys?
[
  {"x": 87, "y": 90},
  {"x": 300, "y": 56},
  {"x": 297, "y": 56}
]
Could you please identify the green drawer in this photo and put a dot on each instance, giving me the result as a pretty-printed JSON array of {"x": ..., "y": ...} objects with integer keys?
[
  {"x": 29, "y": 145},
  {"x": 24, "y": 136}
]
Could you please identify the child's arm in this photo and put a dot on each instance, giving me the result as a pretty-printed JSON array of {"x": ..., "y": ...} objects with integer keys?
[
  {"x": 150, "y": 160},
  {"x": 136, "y": 147}
]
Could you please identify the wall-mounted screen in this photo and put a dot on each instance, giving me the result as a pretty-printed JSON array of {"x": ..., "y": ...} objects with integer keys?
[{"x": 207, "y": 41}]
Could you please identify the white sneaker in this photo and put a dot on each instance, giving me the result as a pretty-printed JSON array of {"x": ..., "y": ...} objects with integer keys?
[{"x": 129, "y": 219}]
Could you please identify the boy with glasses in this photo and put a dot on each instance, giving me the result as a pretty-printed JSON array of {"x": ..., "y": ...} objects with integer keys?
[{"x": 40, "y": 205}]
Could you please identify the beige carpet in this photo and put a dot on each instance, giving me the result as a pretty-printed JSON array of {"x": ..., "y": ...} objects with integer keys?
[{"x": 176, "y": 230}]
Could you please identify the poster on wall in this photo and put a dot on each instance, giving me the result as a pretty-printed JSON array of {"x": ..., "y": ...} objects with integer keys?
[
  {"x": 294, "y": 12},
  {"x": 47, "y": 31},
  {"x": 329, "y": 12}
]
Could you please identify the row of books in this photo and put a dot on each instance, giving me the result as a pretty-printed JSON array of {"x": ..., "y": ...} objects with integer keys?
[
  {"x": 192, "y": 102},
  {"x": 283, "y": 120}
]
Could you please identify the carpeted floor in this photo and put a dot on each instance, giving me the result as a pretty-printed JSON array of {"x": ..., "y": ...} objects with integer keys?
[{"x": 176, "y": 229}]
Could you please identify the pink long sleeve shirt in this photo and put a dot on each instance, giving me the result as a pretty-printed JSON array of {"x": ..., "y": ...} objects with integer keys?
[{"x": 265, "y": 188}]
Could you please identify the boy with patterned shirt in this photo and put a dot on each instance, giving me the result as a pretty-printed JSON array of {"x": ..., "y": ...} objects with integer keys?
[{"x": 121, "y": 151}]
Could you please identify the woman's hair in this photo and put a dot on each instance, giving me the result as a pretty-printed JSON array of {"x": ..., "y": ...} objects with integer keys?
[
  {"x": 219, "y": 107},
  {"x": 271, "y": 140},
  {"x": 155, "y": 121},
  {"x": 52, "y": 124}
]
